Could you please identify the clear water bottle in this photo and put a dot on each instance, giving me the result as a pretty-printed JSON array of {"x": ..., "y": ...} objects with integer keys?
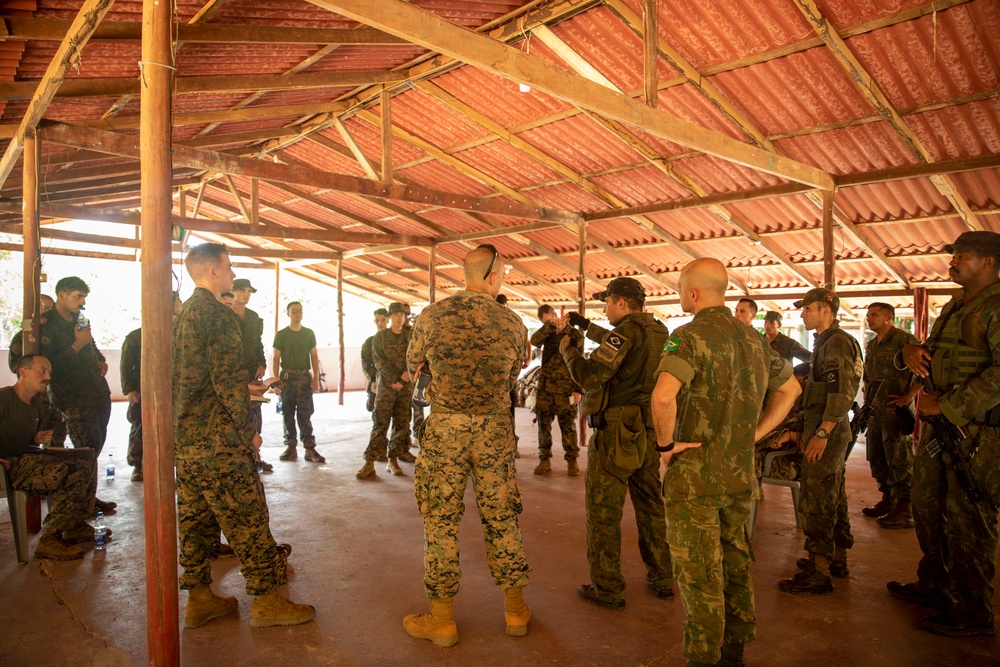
[
  {"x": 100, "y": 533},
  {"x": 278, "y": 407},
  {"x": 111, "y": 468}
]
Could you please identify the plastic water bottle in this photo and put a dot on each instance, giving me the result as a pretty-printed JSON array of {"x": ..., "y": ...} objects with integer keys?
[
  {"x": 100, "y": 533},
  {"x": 278, "y": 407},
  {"x": 111, "y": 468}
]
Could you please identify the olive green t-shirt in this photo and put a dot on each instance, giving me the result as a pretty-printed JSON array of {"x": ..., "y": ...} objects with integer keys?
[{"x": 296, "y": 348}]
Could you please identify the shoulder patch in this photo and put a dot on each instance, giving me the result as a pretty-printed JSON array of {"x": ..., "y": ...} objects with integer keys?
[
  {"x": 614, "y": 341},
  {"x": 670, "y": 347}
]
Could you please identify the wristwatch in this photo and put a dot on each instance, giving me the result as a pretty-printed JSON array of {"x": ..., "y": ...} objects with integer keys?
[
  {"x": 665, "y": 448},
  {"x": 822, "y": 433}
]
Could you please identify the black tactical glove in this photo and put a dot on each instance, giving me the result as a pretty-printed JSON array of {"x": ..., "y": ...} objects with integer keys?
[{"x": 578, "y": 320}]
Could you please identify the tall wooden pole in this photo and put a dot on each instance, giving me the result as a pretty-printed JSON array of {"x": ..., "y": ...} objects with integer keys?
[
  {"x": 829, "y": 255},
  {"x": 156, "y": 73},
  {"x": 582, "y": 294},
  {"x": 32, "y": 260},
  {"x": 340, "y": 327},
  {"x": 385, "y": 103},
  {"x": 650, "y": 52},
  {"x": 921, "y": 316},
  {"x": 432, "y": 274}
]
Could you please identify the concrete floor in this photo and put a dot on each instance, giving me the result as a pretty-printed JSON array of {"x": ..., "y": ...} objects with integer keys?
[{"x": 358, "y": 558}]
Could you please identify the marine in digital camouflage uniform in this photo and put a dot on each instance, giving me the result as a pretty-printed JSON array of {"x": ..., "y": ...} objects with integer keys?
[
  {"x": 828, "y": 394},
  {"x": 711, "y": 382},
  {"x": 252, "y": 330},
  {"x": 67, "y": 477},
  {"x": 474, "y": 349},
  {"x": 962, "y": 359},
  {"x": 130, "y": 374},
  {"x": 555, "y": 389},
  {"x": 890, "y": 452},
  {"x": 617, "y": 379},
  {"x": 368, "y": 362}
]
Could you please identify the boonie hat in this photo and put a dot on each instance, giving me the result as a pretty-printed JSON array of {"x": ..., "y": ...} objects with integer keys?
[
  {"x": 243, "y": 283},
  {"x": 819, "y": 294},
  {"x": 396, "y": 307},
  {"x": 629, "y": 288},
  {"x": 984, "y": 243}
]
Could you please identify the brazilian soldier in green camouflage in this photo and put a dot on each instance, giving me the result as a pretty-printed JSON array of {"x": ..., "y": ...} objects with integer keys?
[
  {"x": 618, "y": 379},
  {"x": 556, "y": 390},
  {"x": 393, "y": 395},
  {"x": 217, "y": 481},
  {"x": 828, "y": 395},
  {"x": 474, "y": 348},
  {"x": 711, "y": 382},
  {"x": 890, "y": 452},
  {"x": 67, "y": 476},
  {"x": 960, "y": 366}
]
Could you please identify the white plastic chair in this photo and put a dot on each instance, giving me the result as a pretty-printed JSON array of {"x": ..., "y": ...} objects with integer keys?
[{"x": 794, "y": 485}]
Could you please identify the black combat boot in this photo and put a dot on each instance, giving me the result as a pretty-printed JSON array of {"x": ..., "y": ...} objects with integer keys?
[
  {"x": 900, "y": 516},
  {"x": 813, "y": 580},
  {"x": 881, "y": 508}
]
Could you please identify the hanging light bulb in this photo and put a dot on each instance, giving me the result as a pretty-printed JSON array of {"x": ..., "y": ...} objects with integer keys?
[{"x": 524, "y": 88}]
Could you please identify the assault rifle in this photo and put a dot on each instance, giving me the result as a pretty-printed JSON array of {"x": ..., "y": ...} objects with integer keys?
[
  {"x": 945, "y": 443},
  {"x": 863, "y": 416}
]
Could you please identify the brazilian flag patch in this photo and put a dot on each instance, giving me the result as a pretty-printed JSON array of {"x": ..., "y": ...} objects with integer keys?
[{"x": 670, "y": 347}]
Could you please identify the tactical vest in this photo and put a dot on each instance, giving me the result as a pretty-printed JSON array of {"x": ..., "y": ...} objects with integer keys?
[
  {"x": 815, "y": 390},
  {"x": 958, "y": 344},
  {"x": 634, "y": 382}
]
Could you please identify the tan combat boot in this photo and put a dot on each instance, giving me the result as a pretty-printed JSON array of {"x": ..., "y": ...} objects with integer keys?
[
  {"x": 438, "y": 625},
  {"x": 393, "y": 467},
  {"x": 515, "y": 612},
  {"x": 543, "y": 467},
  {"x": 272, "y": 609},
  {"x": 367, "y": 470},
  {"x": 55, "y": 547},
  {"x": 203, "y": 605},
  {"x": 572, "y": 469}
]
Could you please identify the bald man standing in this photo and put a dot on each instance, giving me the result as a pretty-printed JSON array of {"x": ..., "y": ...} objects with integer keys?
[{"x": 710, "y": 386}]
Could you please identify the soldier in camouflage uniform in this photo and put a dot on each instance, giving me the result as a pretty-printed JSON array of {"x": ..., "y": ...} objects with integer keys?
[
  {"x": 294, "y": 352},
  {"x": 960, "y": 365},
  {"x": 67, "y": 477},
  {"x": 618, "y": 379},
  {"x": 555, "y": 391},
  {"x": 711, "y": 382},
  {"x": 787, "y": 348},
  {"x": 787, "y": 437},
  {"x": 890, "y": 452},
  {"x": 393, "y": 396},
  {"x": 474, "y": 349},
  {"x": 828, "y": 395},
  {"x": 217, "y": 481},
  {"x": 252, "y": 328},
  {"x": 418, "y": 411},
  {"x": 78, "y": 389},
  {"x": 368, "y": 362}
]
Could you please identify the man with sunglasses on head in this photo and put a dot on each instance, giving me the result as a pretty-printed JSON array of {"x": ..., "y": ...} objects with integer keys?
[
  {"x": 618, "y": 379},
  {"x": 473, "y": 348}
]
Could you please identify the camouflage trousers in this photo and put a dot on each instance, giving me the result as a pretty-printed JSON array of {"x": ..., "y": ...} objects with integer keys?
[
  {"x": 712, "y": 556},
  {"x": 68, "y": 478},
  {"x": 225, "y": 493},
  {"x": 823, "y": 498},
  {"x": 451, "y": 447},
  {"x": 297, "y": 404},
  {"x": 547, "y": 407},
  {"x": 418, "y": 421},
  {"x": 393, "y": 407},
  {"x": 134, "y": 415},
  {"x": 87, "y": 423},
  {"x": 890, "y": 456},
  {"x": 604, "y": 499},
  {"x": 959, "y": 556}
]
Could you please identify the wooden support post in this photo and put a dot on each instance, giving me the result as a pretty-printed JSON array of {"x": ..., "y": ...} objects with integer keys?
[
  {"x": 829, "y": 254},
  {"x": 921, "y": 316},
  {"x": 385, "y": 101},
  {"x": 254, "y": 202},
  {"x": 582, "y": 293},
  {"x": 162, "y": 628},
  {"x": 432, "y": 274},
  {"x": 650, "y": 44},
  {"x": 340, "y": 327},
  {"x": 32, "y": 259}
]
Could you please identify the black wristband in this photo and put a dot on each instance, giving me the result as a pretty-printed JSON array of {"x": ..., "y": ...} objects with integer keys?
[{"x": 665, "y": 448}]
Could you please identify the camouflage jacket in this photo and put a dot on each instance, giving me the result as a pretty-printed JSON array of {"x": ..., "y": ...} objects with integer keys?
[
  {"x": 76, "y": 376},
  {"x": 252, "y": 330},
  {"x": 389, "y": 355},
  {"x": 367, "y": 362},
  {"x": 832, "y": 384},
  {"x": 554, "y": 376},
  {"x": 880, "y": 365},
  {"x": 624, "y": 361},
  {"x": 789, "y": 349},
  {"x": 724, "y": 368},
  {"x": 965, "y": 355},
  {"x": 474, "y": 349},
  {"x": 130, "y": 368},
  {"x": 211, "y": 399}
]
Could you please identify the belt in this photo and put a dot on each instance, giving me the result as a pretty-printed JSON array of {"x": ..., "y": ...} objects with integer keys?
[
  {"x": 296, "y": 371},
  {"x": 441, "y": 410}
]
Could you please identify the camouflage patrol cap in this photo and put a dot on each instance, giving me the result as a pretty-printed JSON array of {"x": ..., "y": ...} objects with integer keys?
[
  {"x": 821, "y": 295},
  {"x": 243, "y": 283},
  {"x": 396, "y": 307},
  {"x": 773, "y": 316},
  {"x": 983, "y": 243},
  {"x": 630, "y": 288}
]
